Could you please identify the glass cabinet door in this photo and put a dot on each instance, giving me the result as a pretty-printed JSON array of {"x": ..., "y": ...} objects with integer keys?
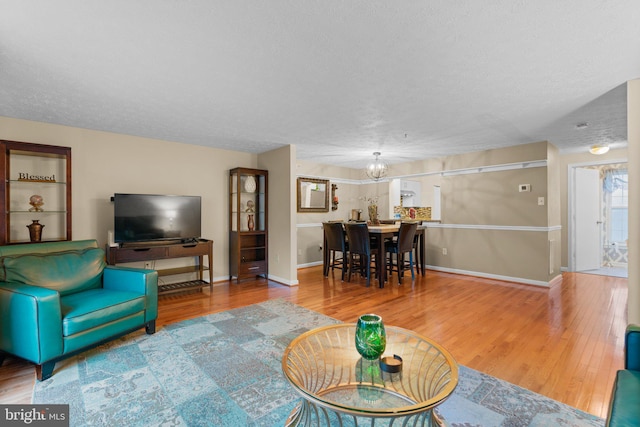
[
  {"x": 248, "y": 201},
  {"x": 248, "y": 223},
  {"x": 252, "y": 203}
]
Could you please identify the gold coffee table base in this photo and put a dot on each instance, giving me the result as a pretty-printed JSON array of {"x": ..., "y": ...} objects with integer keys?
[
  {"x": 339, "y": 388},
  {"x": 307, "y": 414}
]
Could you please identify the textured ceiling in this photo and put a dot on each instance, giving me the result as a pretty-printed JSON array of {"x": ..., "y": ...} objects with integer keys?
[{"x": 339, "y": 79}]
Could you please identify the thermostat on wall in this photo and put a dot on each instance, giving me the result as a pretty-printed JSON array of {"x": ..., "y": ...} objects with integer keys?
[{"x": 524, "y": 187}]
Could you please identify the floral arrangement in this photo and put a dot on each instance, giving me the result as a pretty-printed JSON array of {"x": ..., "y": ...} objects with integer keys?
[{"x": 372, "y": 209}]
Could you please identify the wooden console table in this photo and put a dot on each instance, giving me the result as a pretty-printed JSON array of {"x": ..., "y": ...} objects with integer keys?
[{"x": 151, "y": 252}]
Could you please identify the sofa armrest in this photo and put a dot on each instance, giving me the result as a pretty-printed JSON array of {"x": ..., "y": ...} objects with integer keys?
[
  {"x": 632, "y": 348},
  {"x": 138, "y": 280},
  {"x": 30, "y": 322}
]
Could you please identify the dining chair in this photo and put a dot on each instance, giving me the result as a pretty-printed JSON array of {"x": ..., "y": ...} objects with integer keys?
[
  {"x": 335, "y": 242},
  {"x": 401, "y": 246},
  {"x": 361, "y": 253}
]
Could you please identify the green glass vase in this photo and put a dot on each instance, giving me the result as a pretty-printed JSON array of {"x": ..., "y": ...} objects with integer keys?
[{"x": 371, "y": 339}]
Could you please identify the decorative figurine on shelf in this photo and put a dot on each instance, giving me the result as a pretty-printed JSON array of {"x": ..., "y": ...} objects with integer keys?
[
  {"x": 36, "y": 201},
  {"x": 35, "y": 230},
  {"x": 250, "y": 223},
  {"x": 250, "y": 206}
]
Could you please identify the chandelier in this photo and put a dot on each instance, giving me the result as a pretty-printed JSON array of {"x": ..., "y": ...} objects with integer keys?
[{"x": 377, "y": 169}]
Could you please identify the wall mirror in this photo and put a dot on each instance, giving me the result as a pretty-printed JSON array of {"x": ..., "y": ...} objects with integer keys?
[{"x": 313, "y": 195}]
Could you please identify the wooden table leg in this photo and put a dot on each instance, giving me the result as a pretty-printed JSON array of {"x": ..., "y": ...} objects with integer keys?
[
  {"x": 381, "y": 264},
  {"x": 422, "y": 251},
  {"x": 325, "y": 256}
]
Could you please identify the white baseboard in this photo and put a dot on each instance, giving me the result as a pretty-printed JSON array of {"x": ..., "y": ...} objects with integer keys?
[
  {"x": 541, "y": 283},
  {"x": 223, "y": 280},
  {"x": 494, "y": 276},
  {"x": 310, "y": 264},
  {"x": 283, "y": 281}
]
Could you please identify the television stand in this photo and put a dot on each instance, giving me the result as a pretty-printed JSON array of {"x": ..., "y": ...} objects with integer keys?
[
  {"x": 146, "y": 244},
  {"x": 151, "y": 251}
]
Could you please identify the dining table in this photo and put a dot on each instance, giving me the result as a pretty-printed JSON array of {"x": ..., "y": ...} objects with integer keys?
[
  {"x": 388, "y": 231},
  {"x": 381, "y": 233}
]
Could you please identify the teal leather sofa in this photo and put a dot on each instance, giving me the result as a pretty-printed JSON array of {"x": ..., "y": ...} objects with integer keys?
[
  {"x": 624, "y": 408},
  {"x": 60, "y": 298}
]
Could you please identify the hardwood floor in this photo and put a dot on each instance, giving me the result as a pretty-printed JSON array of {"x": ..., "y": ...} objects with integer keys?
[{"x": 565, "y": 342}]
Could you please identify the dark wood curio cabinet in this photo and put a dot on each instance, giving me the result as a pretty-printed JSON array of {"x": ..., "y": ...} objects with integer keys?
[
  {"x": 248, "y": 230},
  {"x": 37, "y": 189}
]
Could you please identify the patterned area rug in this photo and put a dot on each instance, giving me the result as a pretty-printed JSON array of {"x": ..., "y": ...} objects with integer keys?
[{"x": 225, "y": 370}]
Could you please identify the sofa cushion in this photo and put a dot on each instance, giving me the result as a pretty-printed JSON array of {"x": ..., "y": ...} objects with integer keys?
[
  {"x": 85, "y": 310},
  {"x": 65, "y": 272},
  {"x": 625, "y": 403}
]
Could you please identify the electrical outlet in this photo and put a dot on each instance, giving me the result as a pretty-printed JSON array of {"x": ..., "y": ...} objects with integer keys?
[
  {"x": 444, "y": 251},
  {"x": 147, "y": 265}
]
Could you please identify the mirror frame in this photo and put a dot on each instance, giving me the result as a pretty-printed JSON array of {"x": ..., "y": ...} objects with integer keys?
[{"x": 325, "y": 208}]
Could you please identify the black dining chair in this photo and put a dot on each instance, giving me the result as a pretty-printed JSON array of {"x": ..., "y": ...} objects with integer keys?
[
  {"x": 335, "y": 242},
  {"x": 361, "y": 253},
  {"x": 401, "y": 246}
]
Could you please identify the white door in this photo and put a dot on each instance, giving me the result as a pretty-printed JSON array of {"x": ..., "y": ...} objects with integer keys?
[{"x": 588, "y": 226}]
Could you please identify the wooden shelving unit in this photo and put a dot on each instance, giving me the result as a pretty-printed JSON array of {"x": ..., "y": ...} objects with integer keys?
[
  {"x": 28, "y": 170},
  {"x": 248, "y": 223}
]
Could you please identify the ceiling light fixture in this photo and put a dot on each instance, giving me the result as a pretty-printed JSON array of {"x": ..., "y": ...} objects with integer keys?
[
  {"x": 598, "y": 149},
  {"x": 377, "y": 169}
]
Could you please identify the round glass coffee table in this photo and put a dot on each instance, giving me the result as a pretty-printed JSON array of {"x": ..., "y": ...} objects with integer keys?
[{"x": 340, "y": 388}]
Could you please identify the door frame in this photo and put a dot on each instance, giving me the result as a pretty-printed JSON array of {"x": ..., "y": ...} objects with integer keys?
[{"x": 571, "y": 204}]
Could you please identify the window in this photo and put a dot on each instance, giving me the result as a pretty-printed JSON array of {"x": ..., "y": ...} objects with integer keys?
[{"x": 616, "y": 186}]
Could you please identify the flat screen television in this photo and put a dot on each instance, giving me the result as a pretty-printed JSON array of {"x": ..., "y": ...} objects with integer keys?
[{"x": 155, "y": 217}]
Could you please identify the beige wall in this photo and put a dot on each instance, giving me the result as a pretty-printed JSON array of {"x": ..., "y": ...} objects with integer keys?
[
  {"x": 106, "y": 163},
  {"x": 282, "y": 231},
  {"x": 493, "y": 198},
  {"x": 517, "y": 153},
  {"x": 309, "y": 224},
  {"x": 520, "y": 255},
  {"x": 554, "y": 212},
  {"x": 489, "y": 227}
]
